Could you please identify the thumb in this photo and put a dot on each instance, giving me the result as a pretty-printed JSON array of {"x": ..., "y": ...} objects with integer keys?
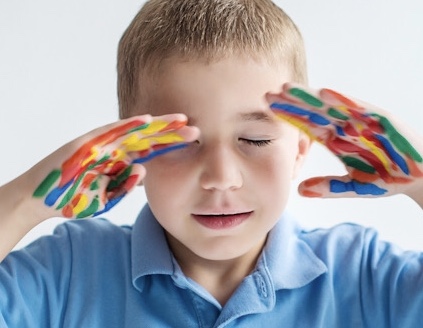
[
  {"x": 126, "y": 181},
  {"x": 123, "y": 184},
  {"x": 339, "y": 186}
]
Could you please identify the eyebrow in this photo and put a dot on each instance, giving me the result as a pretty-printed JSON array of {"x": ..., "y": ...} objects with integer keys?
[{"x": 256, "y": 116}]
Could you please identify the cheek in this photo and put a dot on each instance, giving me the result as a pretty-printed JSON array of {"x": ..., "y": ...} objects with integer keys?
[
  {"x": 278, "y": 164},
  {"x": 164, "y": 182}
]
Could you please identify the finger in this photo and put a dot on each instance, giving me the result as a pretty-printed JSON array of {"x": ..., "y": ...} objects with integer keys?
[
  {"x": 89, "y": 152},
  {"x": 368, "y": 134},
  {"x": 119, "y": 139},
  {"x": 336, "y": 187},
  {"x": 141, "y": 142},
  {"x": 327, "y": 104},
  {"x": 336, "y": 99},
  {"x": 317, "y": 126}
]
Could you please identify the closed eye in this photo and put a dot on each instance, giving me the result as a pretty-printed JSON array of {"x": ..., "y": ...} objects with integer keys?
[{"x": 258, "y": 143}]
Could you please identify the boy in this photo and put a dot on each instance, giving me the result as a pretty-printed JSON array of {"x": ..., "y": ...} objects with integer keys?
[{"x": 212, "y": 247}]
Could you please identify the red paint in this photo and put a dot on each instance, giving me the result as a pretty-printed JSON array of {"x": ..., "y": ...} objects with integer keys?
[
  {"x": 338, "y": 146},
  {"x": 72, "y": 167},
  {"x": 175, "y": 125}
]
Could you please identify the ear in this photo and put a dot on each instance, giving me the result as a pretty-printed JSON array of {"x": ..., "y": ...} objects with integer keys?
[{"x": 304, "y": 144}]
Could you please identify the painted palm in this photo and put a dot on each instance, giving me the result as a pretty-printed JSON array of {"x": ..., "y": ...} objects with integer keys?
[{"x": 379, "y": 159}]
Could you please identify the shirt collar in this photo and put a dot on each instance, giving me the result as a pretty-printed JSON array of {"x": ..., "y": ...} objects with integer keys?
[
  {"x": 150, "y": 251},
  {"x": 291, "y": 262}
]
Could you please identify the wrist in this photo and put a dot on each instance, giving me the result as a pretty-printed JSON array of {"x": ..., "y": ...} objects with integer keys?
[{"x": 20, "y": 207}]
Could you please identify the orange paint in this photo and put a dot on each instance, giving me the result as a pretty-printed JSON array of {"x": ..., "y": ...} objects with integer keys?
[
  {"x": 310, "y": 194},
  {"x": 313, "y": 182},
  {"x": 414, "y": 169},
  {"x": 344, "y": 100},
  {"x": 363, "y": 176}
]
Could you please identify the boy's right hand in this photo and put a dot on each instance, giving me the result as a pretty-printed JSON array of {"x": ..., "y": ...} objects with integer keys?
[{"x": 91, "y": 174}]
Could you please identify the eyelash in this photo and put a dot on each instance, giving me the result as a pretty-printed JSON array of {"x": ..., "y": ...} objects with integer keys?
[{"x": 257, "y": 143}]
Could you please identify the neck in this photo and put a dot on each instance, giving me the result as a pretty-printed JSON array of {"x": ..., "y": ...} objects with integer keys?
[{"x": 219, "y": 277}]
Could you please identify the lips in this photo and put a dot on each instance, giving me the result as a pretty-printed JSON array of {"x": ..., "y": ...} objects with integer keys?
[{"x": 221, "y": 221}]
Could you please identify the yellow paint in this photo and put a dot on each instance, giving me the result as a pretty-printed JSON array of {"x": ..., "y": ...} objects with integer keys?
[
  {"x": 154, "y": 127},
  {"x": 133, "y": 143},
  {"x": 118, "y": 155},
  {"x": 377, "y": 152},
  {"x": 298, "y": 124},
  {"x": 136, "y": 144},
  {"x": 82, "y": 204},
  {"x": 167, "y": 138},
  {"x": 94, "y": 154}
]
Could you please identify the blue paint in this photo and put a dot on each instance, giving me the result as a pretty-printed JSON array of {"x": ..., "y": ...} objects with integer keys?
[
  {"x": 157, "y": 153},
  {"x": 55, "y": 194},
  {"x": 298, "y": 111},
  {"x": 340, "y": 131},
  {"x": 359, "y": 188},
  {"x": 395, "y": 156},
  {"x": 111, "y": 203}
]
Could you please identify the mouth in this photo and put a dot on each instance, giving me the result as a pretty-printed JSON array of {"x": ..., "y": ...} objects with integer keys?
[{"x": 222, "y": 221}]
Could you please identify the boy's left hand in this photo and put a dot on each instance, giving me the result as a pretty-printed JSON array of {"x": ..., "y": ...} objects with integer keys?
[{"x": 382, "y": 156}]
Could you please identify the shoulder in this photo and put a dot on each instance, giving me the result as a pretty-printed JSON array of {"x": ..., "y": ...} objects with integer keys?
[
  {"x": 92, "y": 238},
  {"x": 343, "y": 242},
  {"x": 75, "y": 239},
  {"x": 96, "y": 228},
  {"x": 360, "y": 247},
  {"x": 341, "y": 234}
]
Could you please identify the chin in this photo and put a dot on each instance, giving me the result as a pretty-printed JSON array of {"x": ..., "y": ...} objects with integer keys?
[{"x": 227, "y": 251}]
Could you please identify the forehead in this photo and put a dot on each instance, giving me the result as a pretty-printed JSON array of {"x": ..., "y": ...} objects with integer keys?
[{"x": 236, "y": 84}]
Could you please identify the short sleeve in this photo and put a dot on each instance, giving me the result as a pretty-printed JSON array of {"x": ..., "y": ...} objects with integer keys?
[
  {"x": 34, "y": 282},
  {"x": 391, "y": 283}
]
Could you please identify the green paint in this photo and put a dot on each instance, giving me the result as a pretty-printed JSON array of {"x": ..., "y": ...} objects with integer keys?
[
  {"x": 47, "y": 183},
  {"x": 119, "y": 179},
  {"x": 95, "y": 185},
  {"x": 138, "y": 128},
  {"x": 306, "y": 97},
  {"x": 66, "y": 199},
  {"x": 99, "y": 162},
  {"x": 71, "y": 192},
  {"x": 90, "y": 210},
  {"x": 358, "y": 164},
  {"x": 398, "y": 140},
  {"x": 337, "y": 114}
]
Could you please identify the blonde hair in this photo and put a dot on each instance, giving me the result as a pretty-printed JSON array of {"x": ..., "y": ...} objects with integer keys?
[{"x": 206, "y": 30}]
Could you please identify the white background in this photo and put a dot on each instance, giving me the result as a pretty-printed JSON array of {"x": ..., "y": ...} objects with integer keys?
[{"x": 58, "y": 81}]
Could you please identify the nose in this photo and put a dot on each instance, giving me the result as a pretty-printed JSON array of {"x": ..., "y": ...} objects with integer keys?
[{"x": 221, "y": 169}]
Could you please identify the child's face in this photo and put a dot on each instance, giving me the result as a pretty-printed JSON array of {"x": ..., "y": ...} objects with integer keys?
[{"x": 219, "y": 197}]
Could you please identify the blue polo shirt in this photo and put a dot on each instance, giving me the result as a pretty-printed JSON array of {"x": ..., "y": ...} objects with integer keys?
[{"x": 91, "y": 273}]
